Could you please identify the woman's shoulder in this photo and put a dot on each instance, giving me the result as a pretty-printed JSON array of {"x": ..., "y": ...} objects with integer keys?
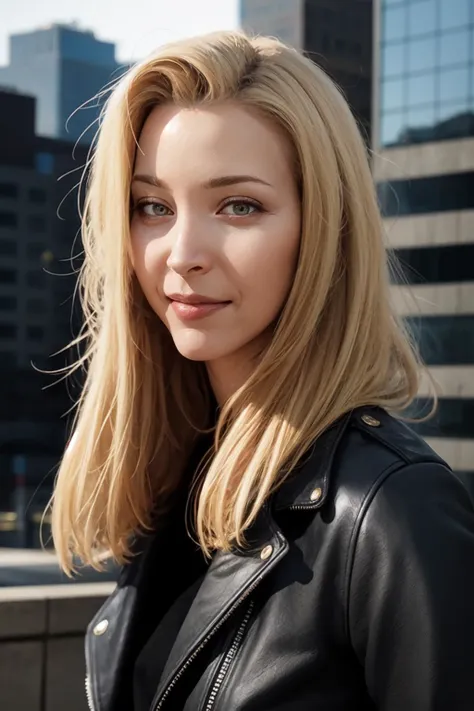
[{"x": 378, "y": 450}]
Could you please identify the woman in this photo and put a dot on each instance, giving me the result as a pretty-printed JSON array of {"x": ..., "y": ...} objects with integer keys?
[{"x": 286, "y": 542}]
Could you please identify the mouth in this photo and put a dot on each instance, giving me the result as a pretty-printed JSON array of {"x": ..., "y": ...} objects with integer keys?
[{"x": 187, "y": 311}]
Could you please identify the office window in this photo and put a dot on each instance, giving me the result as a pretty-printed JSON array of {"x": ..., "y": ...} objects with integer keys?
[
  {"x": 8, "y": 276},
  {"x": 437, "y": 265},
  {"x": 8, "y": 303},
  {"x": 35, "y": 250},
  {"x": 422, "y": 54},
  {"x": 454, "y": 48},
  {"x": 392, "y": 127},
  {"x": 35, "y": 306},
  {"x": 36, "y": 279},
  {"x": 444, "y": 340},
  {"x": 35, "y": 333},
  {"x": 394, "y": 24},
  {"x": 393, "y": 94},
  {"x": 8, "y": 190},
  {"x": 438, "y": 193},
  {"x": 8, "y": 330},
  {"x": 454, "y": 418},
  {"x": 8, "y": 219},
  {"x": 7, "y": 358},
  {"x": 422, "y": 17},
  {"x": 37, "y": 223},
  {"x": 393, "y": 59},
  {"x": 37, "y": 195},
  {"x": 8, "y": 248},
  {"x": 44, "y": 163},
  {"x": 422, "y": 89},
  {"x": 455, "y": 13},
  {"x": 453, "y": 84}
]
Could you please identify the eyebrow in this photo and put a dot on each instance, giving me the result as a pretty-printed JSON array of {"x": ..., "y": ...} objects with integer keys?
[{"x": 221, "y": 182}]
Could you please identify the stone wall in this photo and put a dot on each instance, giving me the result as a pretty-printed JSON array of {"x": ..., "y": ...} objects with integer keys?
[{"x": 42, "y": 645}]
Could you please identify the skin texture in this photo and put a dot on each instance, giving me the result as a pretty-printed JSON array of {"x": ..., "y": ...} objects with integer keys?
[{"x": 234, "y": 243}]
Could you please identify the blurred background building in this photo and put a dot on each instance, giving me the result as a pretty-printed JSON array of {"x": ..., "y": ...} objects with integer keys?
[
  {"x": 423, "y": 137},
  {"x": 337, "y": 34},
  {"x": 64, "y": 67},
  {"x": 38, "y": 227}
]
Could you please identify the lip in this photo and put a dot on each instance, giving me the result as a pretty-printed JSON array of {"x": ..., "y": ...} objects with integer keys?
[
  {"x": 195, "y": 299},
  {"x": 186, "y": 311}
]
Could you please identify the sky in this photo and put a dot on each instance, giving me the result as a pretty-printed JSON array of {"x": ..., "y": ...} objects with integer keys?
[{"x": 136, "y": 26}]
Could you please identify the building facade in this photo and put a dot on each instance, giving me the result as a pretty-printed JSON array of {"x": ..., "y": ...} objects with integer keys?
[
  {"x": 64, "y": 68},
  {"x": 423, "y": 137},
  {"x": 336, "y": 34},
  {"x": 37, "y": 282}
]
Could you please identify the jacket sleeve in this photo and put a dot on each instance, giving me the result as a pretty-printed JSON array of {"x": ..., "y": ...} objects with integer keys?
[{"x": 410, "y": 607}]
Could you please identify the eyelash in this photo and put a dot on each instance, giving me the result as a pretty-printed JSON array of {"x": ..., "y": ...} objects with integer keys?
[{"x": 141, "y": 204}]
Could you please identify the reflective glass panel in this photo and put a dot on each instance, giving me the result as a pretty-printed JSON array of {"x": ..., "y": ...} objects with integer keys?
[
  {"x": 421, "y": 89},
  {"x": 422, "y": 54},
  {"x": 391, "y": 127},
  {"x": 392, "y": 94},
  {"x": 454, "y": 48},
  {"x": 394, "y": 23},
  {"x": 393, "y": 59},
  {"x": 455, "y": 13},
  {"x": 422, "y": 17},
  {"x": 453, "y": 84}
]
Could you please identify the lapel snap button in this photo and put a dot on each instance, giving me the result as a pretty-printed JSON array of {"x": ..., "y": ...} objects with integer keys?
[
  {"x": 371, "y": 421},
  {"x": 266, "y": 552},
  {"x": 316, "y": 494},
  {"x": 100, "y": 628}
]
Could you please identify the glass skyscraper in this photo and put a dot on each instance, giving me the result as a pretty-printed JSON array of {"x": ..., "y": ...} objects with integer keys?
[
  {"x": 64, "y": 68},
  {"x": 423, "y": 139},
  {"x": 337, "y": 34},
  {"x": 426, "y": 70}
]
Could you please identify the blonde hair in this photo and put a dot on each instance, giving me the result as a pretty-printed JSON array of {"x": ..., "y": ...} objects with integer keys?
[{"x": 338, "y": 344}]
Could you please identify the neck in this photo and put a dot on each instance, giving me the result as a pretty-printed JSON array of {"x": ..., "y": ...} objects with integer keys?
[{"x": 229, "y": 373}]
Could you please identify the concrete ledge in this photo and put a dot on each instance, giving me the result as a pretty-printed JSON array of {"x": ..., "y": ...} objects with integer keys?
[
  {"x": 53, "y": 592},
  {"x": 42, "y": 630},
  {"x": 22, "y": 618}
]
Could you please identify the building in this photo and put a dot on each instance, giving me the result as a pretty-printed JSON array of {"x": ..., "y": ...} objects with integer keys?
[
  {"x": 423, "y": 137},
  {"x": 36, "y": 288},
  {"x": 337, "y": 34},
  {"x": 64, "y": 68}
]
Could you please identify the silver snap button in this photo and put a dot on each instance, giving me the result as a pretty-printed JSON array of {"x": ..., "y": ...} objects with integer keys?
[
  {"x": 316, "y": 494},
  {"x": 101, "y": 627},
  {"x": 266, "y": 552},
  {"x": 371, "y": 421}
]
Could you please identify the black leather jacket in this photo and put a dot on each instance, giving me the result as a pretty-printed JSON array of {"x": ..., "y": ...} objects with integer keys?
[{"x": 357, "y": 594}]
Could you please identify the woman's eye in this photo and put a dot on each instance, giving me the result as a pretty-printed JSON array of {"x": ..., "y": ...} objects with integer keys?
[
  {"x": 239, "y": 209},
  {"x": 153, "y": 209}
]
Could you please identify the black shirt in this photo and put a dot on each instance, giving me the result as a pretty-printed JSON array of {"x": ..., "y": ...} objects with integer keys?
[
  {"x": 153, "y": 657},
  {"x": 170, "y": 596}
]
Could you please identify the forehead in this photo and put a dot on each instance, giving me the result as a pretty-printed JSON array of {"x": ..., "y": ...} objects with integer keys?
[{"x": 225, "y": 136}]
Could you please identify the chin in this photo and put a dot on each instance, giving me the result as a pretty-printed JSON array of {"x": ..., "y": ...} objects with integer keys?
[{"x": 197, "y": 347}]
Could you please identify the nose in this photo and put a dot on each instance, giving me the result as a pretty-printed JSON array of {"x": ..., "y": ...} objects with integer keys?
[{"x": 189, "y": 252}]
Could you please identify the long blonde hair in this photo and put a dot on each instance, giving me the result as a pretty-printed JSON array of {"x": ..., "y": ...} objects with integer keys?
[{"x": 337, "y": 345}]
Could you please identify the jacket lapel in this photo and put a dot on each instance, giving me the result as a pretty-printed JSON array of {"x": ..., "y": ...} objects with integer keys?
[{"x": 230, "y": 580}]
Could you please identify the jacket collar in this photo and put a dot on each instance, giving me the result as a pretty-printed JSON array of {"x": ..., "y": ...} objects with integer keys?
[{"x": 308, "y": 485}]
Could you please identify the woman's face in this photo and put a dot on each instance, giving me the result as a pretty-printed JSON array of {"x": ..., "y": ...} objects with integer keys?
[{"x": 215, "y": 227}]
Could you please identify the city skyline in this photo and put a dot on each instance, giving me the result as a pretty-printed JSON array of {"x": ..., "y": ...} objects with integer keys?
[{"x": 134, "y": 34}]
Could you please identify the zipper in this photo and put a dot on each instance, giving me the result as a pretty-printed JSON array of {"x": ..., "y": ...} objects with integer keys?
[
  {"x": 229, "y": 657},
  {"x": 90, "y": 702},
  {"x": 198, "y": 649}
]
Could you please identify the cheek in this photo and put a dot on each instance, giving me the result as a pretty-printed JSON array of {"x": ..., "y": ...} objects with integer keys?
[
  {"x": 269, "y": 271},
  {"x": 147, "y": 265}
]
